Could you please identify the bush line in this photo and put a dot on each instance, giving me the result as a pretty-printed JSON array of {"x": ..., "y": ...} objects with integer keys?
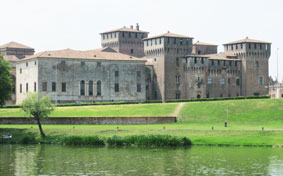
[
  {"x": 152, "y": 101},
  {"x": 114, "y": 141}
]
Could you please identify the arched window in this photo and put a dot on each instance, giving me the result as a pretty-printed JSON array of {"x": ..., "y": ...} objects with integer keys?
[
  {"x": 90, "y": 88},
  {"x": 82, "y": 87},
  {"x": 98, "y": 88}
]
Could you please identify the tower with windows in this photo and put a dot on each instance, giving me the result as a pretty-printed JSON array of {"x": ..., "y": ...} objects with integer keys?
[
  {"x": 165, "y": 52},
  {"x": 254, "y": 55},
  {"x": 125, "y": 40}
]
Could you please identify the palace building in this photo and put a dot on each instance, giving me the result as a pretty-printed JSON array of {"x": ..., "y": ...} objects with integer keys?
[{"x": 132, "y": 66}]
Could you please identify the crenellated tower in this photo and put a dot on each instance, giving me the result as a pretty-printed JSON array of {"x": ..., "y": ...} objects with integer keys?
[{"x": 254, "y": 55}]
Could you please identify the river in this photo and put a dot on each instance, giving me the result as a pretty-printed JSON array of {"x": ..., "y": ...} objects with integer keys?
[{"x": 21, "y": 160}]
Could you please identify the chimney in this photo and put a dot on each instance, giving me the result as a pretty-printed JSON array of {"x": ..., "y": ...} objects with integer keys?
[
  {"x": 138, "y": 27},
  {"x": 132, "y": 26}
]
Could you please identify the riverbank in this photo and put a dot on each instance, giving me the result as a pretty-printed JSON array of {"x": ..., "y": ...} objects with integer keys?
[{"x": 199, "y": 134}]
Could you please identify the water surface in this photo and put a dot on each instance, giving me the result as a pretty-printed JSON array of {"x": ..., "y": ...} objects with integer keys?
[{"x": 21, "y": 160}]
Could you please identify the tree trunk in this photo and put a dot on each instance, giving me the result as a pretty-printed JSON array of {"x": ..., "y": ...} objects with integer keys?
[{"x": 40, "y": 128}]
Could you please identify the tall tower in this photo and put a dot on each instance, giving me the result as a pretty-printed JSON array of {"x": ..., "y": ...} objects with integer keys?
[
  {"x": 125, "y": 40},
  {"x": 165, "y": 52},
  {"x": 254, "y": 55}
]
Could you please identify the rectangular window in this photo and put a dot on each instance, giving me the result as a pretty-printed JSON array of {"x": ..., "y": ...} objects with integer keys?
[
  {"x": 230, "y": 63},
  {"x": 229, "y": 81},
  {"x": 34, "y": 86},
  {"x": 160, "y": 41},
  {"x": 138, "y": 87},
  {"x": 209, "y": 80},
  {"x": 114, "y": 34},
  {"x": 257, "y": 66},
  {"x": 195, "y": 60},
  {"x": 249, "y": 46},
  {"x": 255, "y": 45},
  {"x": 202, "y": 61},
  {"x": 21, "y": 88},
  {"x": 116, "y": 87},
  {"x": 224, "y": 63},
  {"x": 238, "y": 81},
  {"x": 98, "y": 64},
  {"x": 168, "y": 40},
  {"x": 218, "y": 62},
  {"x": 82, "y": 63},
  {"x": 177, "y": 62},
  {"x": 181, "y": 41},
  {"x": 116, "y": 73},
  {"x": 177, "y": 95},
  {"x": 174, "y": 40},
  {"x": 260, "y": 80},
  {"x": 20, "y": 71},
  {"x": 241, "y": 46},
  {"x": 62, "y": 63},
  {"x": 53, "y": 86},
  {"x": 129, "y": 35},
  {"x": 212, "y": 62},
  {"x": 44, "y": 86},
  {"x": 260, "y": 46},
  {"x": 223, "y": 81},
  {"x": 132, "y": 51},
  {"x": 26, "y": 64},
  {"x": 138, "y": 74},
  {"x": 123, "y": 34},
  {"x": 136, "y": 35},
  {"x": 34, "y": 62},
  {"x": 26, "y": 87},
  {"x": 64, "y": 86},
  {"x": 236, "y": 63}
]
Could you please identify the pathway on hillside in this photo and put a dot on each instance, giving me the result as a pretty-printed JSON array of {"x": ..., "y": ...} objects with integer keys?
[{"x": 178, "y": 109}]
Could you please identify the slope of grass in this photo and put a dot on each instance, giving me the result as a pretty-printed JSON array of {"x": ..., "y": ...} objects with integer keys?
[
  {"x": 132, "y": 110},
  {"x": 261, "y": 111}
]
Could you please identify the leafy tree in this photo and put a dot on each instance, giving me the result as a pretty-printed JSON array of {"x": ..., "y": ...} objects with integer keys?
[
  {"x": 5, "y": 81},
  {"x": 37, "y": 107}
]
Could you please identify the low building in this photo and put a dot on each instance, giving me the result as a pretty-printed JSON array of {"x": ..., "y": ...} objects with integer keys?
[
  {"x": 276, "y": 91},
  {"x": 82, "y": 76}
]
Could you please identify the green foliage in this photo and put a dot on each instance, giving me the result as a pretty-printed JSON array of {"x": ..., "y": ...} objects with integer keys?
[
  {"x": 83, "y": 140},
  {"x": 28, "y": 140},
  {"x": 148, "y": 141},
  {"x": 37, "y": 107},
  {"x": 5, "y": 81}
]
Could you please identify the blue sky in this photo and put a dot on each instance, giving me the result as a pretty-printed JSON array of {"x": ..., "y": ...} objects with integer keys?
[{"x": 60, "y": 24}]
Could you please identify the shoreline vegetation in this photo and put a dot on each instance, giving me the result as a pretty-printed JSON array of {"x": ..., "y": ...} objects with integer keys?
[{"x": 251, "y": 122}]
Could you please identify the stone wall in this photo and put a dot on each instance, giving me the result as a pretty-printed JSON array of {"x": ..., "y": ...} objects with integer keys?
[{"x": 91, "y": 120}]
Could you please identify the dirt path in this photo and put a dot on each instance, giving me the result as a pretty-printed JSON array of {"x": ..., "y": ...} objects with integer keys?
[{"x": 178, "y": 109}]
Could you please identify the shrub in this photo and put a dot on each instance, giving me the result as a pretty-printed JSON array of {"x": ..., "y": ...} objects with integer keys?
[
  {"x": 116, "y": 141},
  {"x": 83, "y": 140},
  {"x": 27, "y": 140}
]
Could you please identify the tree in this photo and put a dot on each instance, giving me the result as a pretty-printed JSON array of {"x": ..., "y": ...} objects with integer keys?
[
  {"x": 37, "y": 107},
  {"x": 5, "y": 81}
]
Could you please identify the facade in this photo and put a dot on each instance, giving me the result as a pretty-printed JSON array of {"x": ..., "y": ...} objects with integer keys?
[
  {"x": 12, "y": 53},
  {"x": 82, "y": 76},
  {"x": 134, "y": 67},
  {"x": 276, "y": 91}
]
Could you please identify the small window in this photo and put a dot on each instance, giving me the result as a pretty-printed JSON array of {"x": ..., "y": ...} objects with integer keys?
[
  {"x": 212, "y": 62},
  {"x": 138, "y": 74},
  {"x": 249, "y": 46},
  {"x": 241, "y": 46},
  {"x": 142, "y": 36},
  {"x": 255, "y": 45},
  {"x": 116, "y": 73},
  {"x": 231, "y": 47},
  {"x": 177, "y": 95},
  {"x": 44, "y": 86},
  {"x": 230, "y": 63},
  {"x": 53, "y": 86},
  {"x": 224, "y": 63},
  {"x": 177, "y": 62},
  {"x": 90, "y": 88},
  {"x": 260, "y": 46},
  {"x": 34, "y": 62},
  {"x": 21, "y": 88},
  {"x": 229, "y": 81},
  {"x": 155, "y": 41},
  {"x": 175, "y": 40},
  {"x": 123, "y": 34},
  {"x": 195, "y": 60},
  {"x": 202, "y": 61},
  {"x": 62, "y": 63},
  {"x": 64, "y": 86},
  {"x": 168, "y": 40},
  {"x": 82, "y": 63},
  {"x": 160, "y": 41},
  {"x": 26, "y": 64},
  {"x": 82, "y": 87},
  {"x": 138, "y": 87},
  {"x": 114, "y": 34},
  {"x": 98, "y": 89},
  {"x": 116, "y": 87},
  {"x": 238, "y": 81},
  {"x": 136, "y": 35},
  {"x": 199, "y": 52},
  {"x": 209, "y": 80},
  {"x": 20, "y": 71},
  {"x": 26, "y": 87},
  {"x": 98, "y": 64},
  {"x": 236, "y": 63},
  {"x": 132, "y": 51},
  {"x": 177, "y": 79},
  {"x": 257, "y": 66},
  {"x": 223, "y": 81},
  {"x": 181, "y": 41},
  {"x": 260, "y": 80},
  {"x": 34, "y": 87}
]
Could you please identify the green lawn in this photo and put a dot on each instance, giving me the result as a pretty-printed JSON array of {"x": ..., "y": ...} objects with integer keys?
[
  {"x": 130, "y": 110},
  {"x": 245, "y": 121}
]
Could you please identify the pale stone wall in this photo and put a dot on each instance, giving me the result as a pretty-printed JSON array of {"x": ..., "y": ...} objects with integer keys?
[
  {"x": 73, "y": 72},
  {"x": 26, "y": 74},
  {"x": 204, "y": 49}
]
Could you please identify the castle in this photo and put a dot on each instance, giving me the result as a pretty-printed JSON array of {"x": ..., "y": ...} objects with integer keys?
[{"x": 131, "y": 66}]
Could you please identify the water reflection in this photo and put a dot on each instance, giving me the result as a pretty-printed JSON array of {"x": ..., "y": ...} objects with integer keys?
[{"x": 64, "y": 160}]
